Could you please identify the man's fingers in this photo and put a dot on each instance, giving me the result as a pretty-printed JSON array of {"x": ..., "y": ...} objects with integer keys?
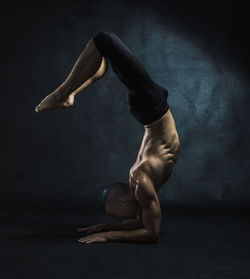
[
  {"x": 91, "y": 239},
  {"x": 86, "y": 241},
  {"x": 82, "y": 240}
]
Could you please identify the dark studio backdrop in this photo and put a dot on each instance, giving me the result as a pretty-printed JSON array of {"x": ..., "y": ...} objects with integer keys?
[{"x": 58, "y": 161}]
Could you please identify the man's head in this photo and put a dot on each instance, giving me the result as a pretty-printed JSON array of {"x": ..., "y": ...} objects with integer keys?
[{"x": 117, "y": 201}]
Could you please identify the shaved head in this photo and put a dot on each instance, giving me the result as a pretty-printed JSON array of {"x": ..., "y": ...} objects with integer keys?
[{"x": 117, "y": 202}]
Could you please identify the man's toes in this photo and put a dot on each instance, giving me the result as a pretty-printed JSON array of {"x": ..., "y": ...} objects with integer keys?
[
  {"x": 41, "y": 108},
  {"x": 38, "y": 108},
  {"x": 55, "y": 104}
]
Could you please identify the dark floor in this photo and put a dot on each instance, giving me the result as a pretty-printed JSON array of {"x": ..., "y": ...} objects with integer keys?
[{"x": 205, "y": 245}]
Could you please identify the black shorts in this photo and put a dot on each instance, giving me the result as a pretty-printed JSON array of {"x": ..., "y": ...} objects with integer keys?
[{"x": 146, "y": 99}]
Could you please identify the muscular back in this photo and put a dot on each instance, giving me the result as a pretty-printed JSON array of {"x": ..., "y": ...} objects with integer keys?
[{"x": 158, "y": 152}]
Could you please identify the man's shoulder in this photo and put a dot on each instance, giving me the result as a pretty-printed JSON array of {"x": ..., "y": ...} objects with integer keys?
[
  {"x": 144, "y": 189},
  {"x": 141, "y": 170}
]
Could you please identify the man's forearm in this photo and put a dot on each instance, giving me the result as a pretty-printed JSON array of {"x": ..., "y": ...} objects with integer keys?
[
  {"x": 124, "y": 225},
  {"x": 138, "y": 235}
]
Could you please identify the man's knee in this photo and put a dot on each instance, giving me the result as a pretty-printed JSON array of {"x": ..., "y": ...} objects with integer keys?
[
  {"x": 104, "y": 35},
  {"x": 103, "y": 41}
]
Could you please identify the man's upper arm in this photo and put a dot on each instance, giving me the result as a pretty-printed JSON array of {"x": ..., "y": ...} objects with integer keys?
[{"x": 150, "y": 206}]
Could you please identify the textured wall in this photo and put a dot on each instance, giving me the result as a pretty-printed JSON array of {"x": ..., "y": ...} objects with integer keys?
[{"x": 64, "y": 157}]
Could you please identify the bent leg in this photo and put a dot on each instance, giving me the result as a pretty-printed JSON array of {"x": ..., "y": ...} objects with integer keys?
[
  {"x": 147, "y": 100},
  {"x": 124, "y": 63},
  {"x": 89, "y": 67},
  {"x": 101, "y": 71}
]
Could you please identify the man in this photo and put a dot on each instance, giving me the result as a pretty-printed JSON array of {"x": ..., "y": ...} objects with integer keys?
[{"x": 138, "y": 201}]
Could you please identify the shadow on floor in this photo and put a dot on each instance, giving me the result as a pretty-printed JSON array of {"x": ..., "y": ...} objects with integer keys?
[{"x": 206, "y": 244}]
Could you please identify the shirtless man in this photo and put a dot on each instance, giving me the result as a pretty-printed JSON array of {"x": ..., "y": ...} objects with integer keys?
[{"x": 138, "y": 202}]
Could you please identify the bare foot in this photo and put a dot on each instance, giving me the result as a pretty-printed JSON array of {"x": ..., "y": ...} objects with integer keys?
[
  {"x": 63, "y": 97},
  {"x": 55, "y": 101}
]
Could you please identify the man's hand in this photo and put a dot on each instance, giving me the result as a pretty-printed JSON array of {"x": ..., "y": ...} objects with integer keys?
[
  {"x": 92, "y": 229},
  {"x": 96, "y": 237}
]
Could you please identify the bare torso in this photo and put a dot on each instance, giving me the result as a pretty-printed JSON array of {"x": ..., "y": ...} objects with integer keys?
[{"x": 158, "y": 152}]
